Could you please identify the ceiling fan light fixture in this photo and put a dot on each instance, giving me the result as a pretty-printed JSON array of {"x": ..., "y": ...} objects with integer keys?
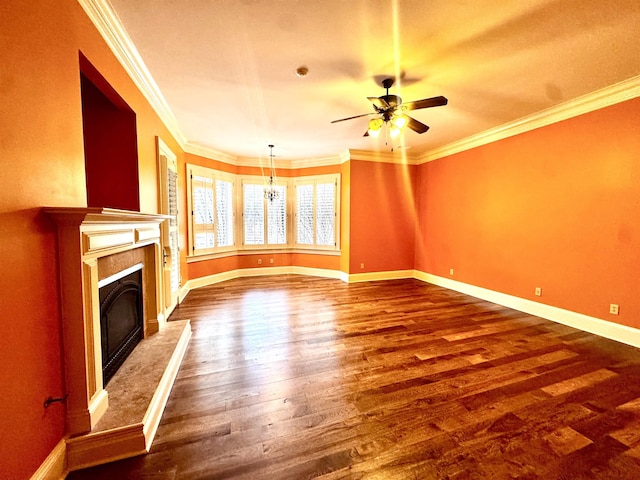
[
  {"x": 375, "y": 126},
  {"x": 394, "y": 131},
  {"x": 400, "y": 121}
]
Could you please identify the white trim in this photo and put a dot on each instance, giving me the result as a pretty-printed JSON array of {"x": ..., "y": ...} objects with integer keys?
[
  {"x": 110, "y": 27},
  {"x": 103, "y": 447},
  {"x": 256, "y": 272},
  {"x": 54, "y": 466},
  {"x": 268, "y": 250},
  {"x": 119, "y": 275},
  {"x": 152, "y": 416},
  {"x": 184, "y": 290},
  {"x": 96, "y": 448},
  {"x": 597, "y": 326},
  {"x": 400, "y": 157},
  {"x": 114, "y": 34},
  {"x": 617, "y": 93},
  {"x": 388, "y": 275},
  {"x": 210, "y": 153}
]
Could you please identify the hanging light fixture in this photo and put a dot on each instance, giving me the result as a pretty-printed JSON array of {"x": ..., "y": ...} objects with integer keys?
[
  {"x": 375, "y": 126},
  {"x": 400, "y": 121},
  {"x": 271, "y": 185},
  {"x": 395, "y": 122}
]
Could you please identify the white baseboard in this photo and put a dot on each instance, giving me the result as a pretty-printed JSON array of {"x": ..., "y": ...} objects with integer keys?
[
  {"x": 182, "y": 292},
  {"x": 54, "y": 466},
  {"x": 388, "y": 275},
  {"x": 597, "y": 326},
  {"x": 255, "y": 272}
]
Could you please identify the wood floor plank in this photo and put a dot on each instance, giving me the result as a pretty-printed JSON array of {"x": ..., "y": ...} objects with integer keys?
[{"x": 295, "y": 377}]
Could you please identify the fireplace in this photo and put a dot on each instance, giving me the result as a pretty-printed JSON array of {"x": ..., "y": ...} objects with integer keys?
[
  {"x": 121, "y": 326},
  {"x": 94, "y": 245},
  {"x": 110, "y": 264}
]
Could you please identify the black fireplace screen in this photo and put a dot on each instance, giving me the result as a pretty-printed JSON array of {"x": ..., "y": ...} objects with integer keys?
[{"x": 120, "y": 318}]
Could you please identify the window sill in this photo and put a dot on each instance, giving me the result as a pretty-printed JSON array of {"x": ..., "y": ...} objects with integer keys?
[{"x": 259, "y": 251}]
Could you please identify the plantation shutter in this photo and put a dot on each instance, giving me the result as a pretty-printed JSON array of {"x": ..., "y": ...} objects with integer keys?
[
  {"x": 277, "y": 218},
  {"x": 304, "y": 214},
  {"x": 253, "y": 214},
  {"x": 325, "y": 213},
  {"x": 224, "y": 213},
  {"x": 202, "y": 212}
]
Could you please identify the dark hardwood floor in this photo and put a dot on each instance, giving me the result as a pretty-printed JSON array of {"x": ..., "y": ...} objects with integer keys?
[{"x": 294, "y": 377}]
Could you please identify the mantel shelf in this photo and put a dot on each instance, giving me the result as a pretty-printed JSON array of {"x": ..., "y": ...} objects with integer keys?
[{"x": 99, "y": 215}]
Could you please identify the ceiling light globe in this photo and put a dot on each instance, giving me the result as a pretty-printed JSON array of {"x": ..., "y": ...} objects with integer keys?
[
  {"x": 400, "y": 121},
  {"x": 394, "y": 131},
  {"x": 375, "y": 124}
]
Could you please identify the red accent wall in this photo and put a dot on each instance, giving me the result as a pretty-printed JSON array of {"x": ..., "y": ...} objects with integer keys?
[
  {"x": 382, "y": 216},
  {"x": 556, "y": 208},
  {"x": 111, "y": 155},
  {"x": 43, "y": 165}
]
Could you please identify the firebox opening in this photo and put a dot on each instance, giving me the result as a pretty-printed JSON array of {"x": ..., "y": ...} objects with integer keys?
[{"x": 121, "y": 320}]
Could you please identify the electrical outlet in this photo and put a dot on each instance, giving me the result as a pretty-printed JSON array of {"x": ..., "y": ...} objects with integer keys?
[
  {"x": 271, "y": 260},
  {"x": 451, "y": 271},
  {"x": 361, "y": 266},
  {"x": 259, "y": 261},
  {"x": 614, "y": 309},
  {"x": 538, "y": 292}
]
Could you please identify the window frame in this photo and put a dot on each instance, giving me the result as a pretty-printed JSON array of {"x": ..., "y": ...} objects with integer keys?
[
  {"x": 256, "y": 180},
  {"x": 239, "y": 247},
  {"x": 315, "y": 180},
  {"x": 214, "y": 176}
]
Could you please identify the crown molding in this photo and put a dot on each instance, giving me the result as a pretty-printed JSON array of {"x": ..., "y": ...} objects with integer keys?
[
  {"x": 210, "y": 153},
  {"x": 213, "y": 154},
  {"x": 384, "y": 157},
  {"x": 317, "y": 162},
  {"x": 617, "y": 93},
  {"x": 105, "y": 19},
  {"x": 113, "y": 32},
  {"x": 291, "y": 163}
]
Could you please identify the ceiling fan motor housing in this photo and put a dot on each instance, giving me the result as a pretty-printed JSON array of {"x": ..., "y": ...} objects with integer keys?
[{"x": 392, "y": 100}]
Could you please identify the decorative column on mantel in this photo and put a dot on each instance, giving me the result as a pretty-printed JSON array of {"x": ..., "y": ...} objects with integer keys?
[{"x": 86, "y": 235}]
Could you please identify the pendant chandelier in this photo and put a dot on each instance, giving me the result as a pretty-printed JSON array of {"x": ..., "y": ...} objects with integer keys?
[{"x": 270, "y": 185}]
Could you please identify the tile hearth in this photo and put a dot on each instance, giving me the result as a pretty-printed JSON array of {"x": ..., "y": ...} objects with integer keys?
[{"x": 134, "y": 384}]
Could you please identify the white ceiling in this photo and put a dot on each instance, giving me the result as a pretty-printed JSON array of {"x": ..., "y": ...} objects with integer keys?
[{"x": 227, "y": 67}]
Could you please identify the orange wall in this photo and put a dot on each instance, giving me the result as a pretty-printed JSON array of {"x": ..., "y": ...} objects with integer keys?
[
  {"x": 556, "y": 208},
  {"x": 41, "y": 151},
  {"x": 382, "y": 216}
]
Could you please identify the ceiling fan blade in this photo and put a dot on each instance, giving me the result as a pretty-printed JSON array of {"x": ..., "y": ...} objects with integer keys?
[
  {"x": 425, "y": 103},
  {"x": 355, "y": 116},
  {"x": 417, "y": 126},
  {"x": 379, "y": 103}
]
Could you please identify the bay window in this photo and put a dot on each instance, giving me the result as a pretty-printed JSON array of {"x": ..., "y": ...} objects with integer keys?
[{"x": 229, "y": 213}]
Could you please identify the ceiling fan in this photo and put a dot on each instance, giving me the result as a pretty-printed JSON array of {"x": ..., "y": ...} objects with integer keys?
[{"x": 390, "y": 109}]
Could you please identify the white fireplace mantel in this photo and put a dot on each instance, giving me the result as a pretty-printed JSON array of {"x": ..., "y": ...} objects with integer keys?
[{"x": 85, "y": 236}]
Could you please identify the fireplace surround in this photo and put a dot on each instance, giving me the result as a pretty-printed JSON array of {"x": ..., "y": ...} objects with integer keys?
[{"x": 95, "y": 243}]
